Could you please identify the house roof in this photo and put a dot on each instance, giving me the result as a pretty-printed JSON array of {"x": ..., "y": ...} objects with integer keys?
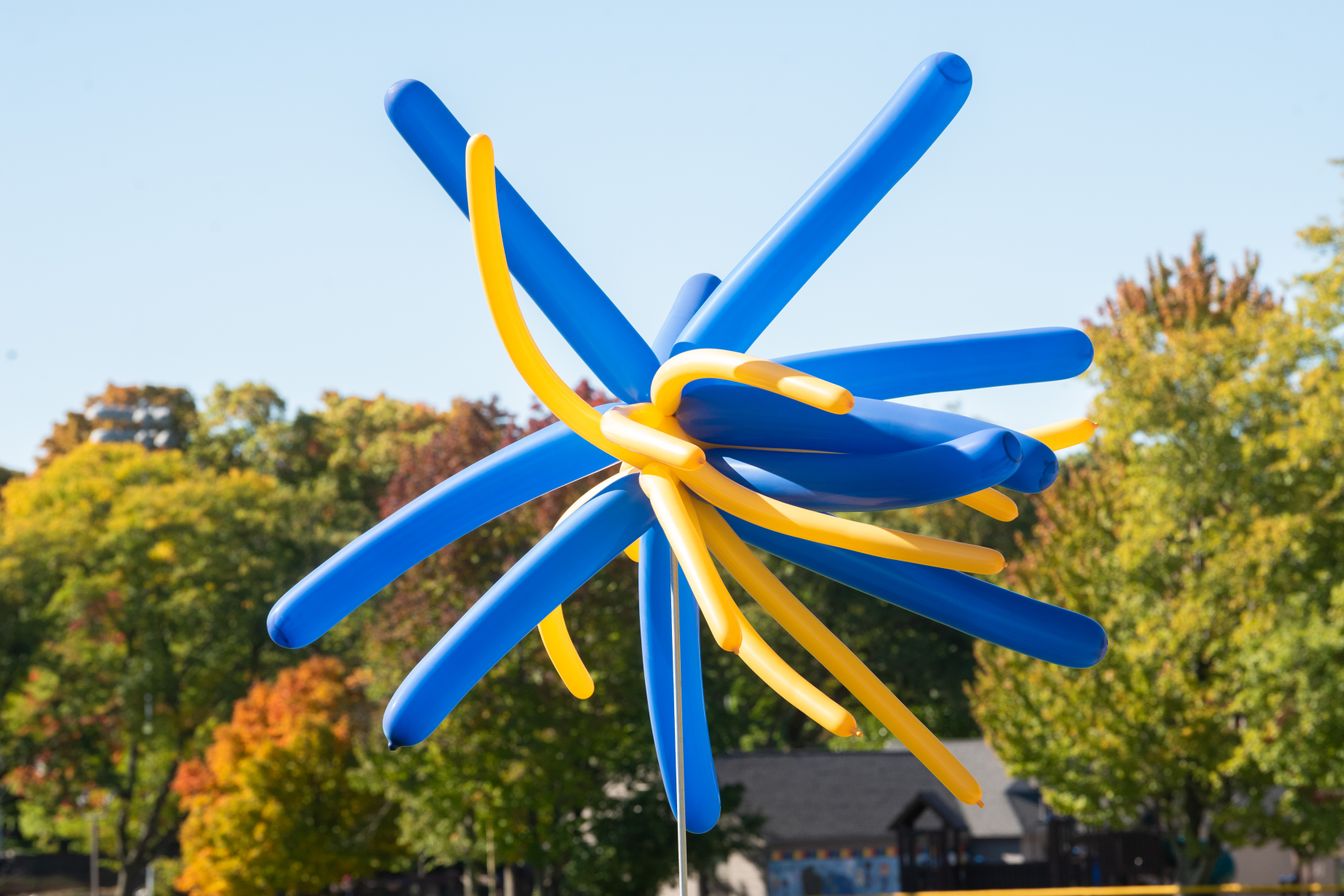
[{"x": 816, "y": 796}]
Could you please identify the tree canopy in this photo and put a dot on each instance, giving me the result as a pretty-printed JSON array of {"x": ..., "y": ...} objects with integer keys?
[{"x": 1199, "y": 531}]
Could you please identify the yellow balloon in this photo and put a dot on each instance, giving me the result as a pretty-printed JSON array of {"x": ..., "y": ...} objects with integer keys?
[
  {"x": 836, "y": 531},
  {"x": 1065, "y": 433},
  {"x": 622, "y": 427},
  {"x": 671, "y": 505},
  {"x": 679, "y": 371},
  {"x": 785, "y": 681},
  {"x": 838, "y": 659},
  {"x": 541, "y": 378},
  {"x": 992, "y": 503}
]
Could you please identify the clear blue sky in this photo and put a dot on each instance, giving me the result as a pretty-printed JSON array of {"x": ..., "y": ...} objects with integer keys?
[{"x": 192, "y": 193}]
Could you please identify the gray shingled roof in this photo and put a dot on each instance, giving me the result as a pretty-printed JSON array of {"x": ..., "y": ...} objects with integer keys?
[{"x": 821, "y": 797}]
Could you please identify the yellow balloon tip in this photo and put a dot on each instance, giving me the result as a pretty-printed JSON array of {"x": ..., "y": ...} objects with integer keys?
[{"x": 980, "y": 803}]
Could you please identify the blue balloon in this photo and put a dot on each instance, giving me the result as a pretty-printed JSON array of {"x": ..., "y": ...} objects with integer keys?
[
  {"x": 690, "y": 297},
  {"x": 730, "y": 414},
  {"x": 559, "y": 564},
  {"x": 562, "y": 289},
  {"x": 963, "y": 602},
  {"x": 838, "y": 482},
  {"x": 519, "y": 472},
  {"x": 953, "y": 363},
  {"x": 655, "y": 627},
  {"x": 786, "y": 257}
]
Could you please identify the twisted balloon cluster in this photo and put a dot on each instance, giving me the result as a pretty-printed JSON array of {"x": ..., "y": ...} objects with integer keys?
[{"x": 719, "y": 451}]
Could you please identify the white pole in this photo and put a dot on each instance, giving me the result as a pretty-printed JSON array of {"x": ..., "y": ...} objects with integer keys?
[
  {"x": 95, "y": 879},
  {"x": 678, "y": 732}
]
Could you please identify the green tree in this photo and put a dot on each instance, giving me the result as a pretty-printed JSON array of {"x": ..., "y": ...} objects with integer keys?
[
  {"x": 346, "y": 450},
  {"x": 156, "y": 580},
  {"x": 273, "y": 806},
  {"x": 1195, "y": 532},
  {"x": 1294, "y": 696}
]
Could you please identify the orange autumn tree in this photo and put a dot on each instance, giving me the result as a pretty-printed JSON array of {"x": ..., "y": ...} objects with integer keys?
[{"x": 274, "y": 807}]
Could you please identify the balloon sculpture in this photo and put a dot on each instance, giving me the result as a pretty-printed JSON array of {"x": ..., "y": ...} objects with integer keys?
[{"x": 719, "y": 450}]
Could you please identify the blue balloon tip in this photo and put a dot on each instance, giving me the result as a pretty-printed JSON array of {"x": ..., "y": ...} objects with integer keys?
[
  {"x": 1103, "y": 645},
  {"x": 275, "y": 627},
  {"x": 953, "y": 67},
  {"x": 396, "y": 91}
]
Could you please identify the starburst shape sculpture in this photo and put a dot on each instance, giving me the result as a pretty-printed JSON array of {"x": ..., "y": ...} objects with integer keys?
[{"x": 716, "y": 451}]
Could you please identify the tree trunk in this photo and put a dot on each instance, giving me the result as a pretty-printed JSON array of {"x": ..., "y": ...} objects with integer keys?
[
  {"x": 491, "y": 887},
  {"x": 130, "y": 878}
]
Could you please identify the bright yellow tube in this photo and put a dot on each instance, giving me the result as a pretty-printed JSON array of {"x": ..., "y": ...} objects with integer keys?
[
  {"x": 785, "y": 681},
  {"x": 831, "y": 652},
  {"x": 540, "y": 377},
  {"x": 992, "y": 503},
  {"x": 672, "y": 507},
  {"x": 719, "y": 364},
  {"x": 620, "y": 425},
  {"x": 564, "y": 656},
  {"x": 839, "y": 532},
  {"x": 1065, "y": 433}
]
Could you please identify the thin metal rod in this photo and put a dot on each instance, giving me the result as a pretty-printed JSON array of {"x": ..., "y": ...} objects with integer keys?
[{"x": 678, "y": 735}]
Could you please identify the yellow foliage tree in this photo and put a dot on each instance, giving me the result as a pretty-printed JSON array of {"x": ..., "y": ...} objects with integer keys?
[{"x": 274, "y": 807}]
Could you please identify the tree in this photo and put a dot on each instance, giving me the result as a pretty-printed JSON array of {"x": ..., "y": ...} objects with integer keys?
[
  {"x": 155, "y": 581},
  {"x": 273, "y": 806},
  {"x": 1194, "y": 531},
  {"x": 1295, "y": 694},
  {"x": 78, "y": 427},
  {"x": 346, "y": 450}
]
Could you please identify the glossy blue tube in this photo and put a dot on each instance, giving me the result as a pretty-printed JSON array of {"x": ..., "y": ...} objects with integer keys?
[
  {"x": 837, "y": 482},
  {"x": 953, "y": 363},
  {"x": 764, "y": 282},
  {"x": 690, "y": 297},
  {"x": 526, "y": 469},
  {"x": 954, "y": 599},
  {"x": 559, "y": 564},
  {"x": 731, "y": 414},
  {"x": 562, "y": 289},
  {"x": 655, "y": 629}
]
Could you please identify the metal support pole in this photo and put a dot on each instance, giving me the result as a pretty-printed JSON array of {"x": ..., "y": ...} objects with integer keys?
[
  {"x": 678, "y": 735},
  {"x": 95, "y": 879}
]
